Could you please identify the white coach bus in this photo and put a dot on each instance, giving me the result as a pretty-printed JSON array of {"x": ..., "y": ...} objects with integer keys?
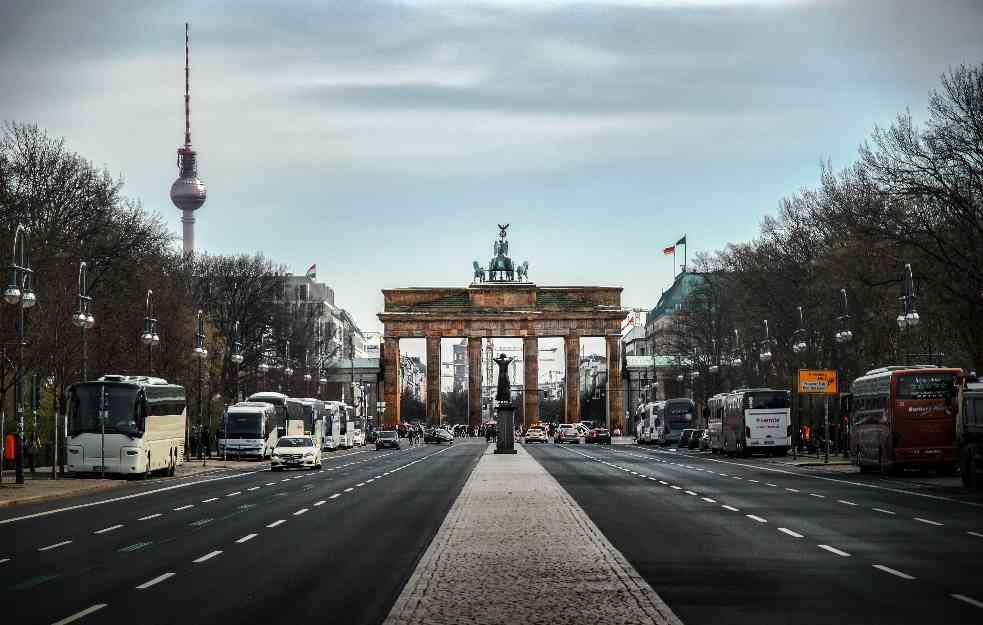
[
  {"x": 129, "y": 425},
  {"x": 757, "y": 420},
  {"x": 343, "y": 416},
  {"x": 249, "y": 430}
]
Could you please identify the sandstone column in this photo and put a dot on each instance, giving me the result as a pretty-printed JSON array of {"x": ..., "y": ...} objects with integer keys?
[
  {"x": 572, "y": 352},
  {"x": 474, "y": 380},
  {"x": 616, "y": 397},
  {"x": 530, "y": 355},
  {"x": 391, "y": 389},
  {"x": 433, "y": 380}
]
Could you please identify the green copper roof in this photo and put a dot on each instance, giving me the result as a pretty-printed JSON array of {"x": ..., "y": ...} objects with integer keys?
[
  {"x": 677, "y": 294},
  {"x": 560, "y": 301}
]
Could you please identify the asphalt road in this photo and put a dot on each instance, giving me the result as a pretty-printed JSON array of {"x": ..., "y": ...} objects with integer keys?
[
  {"x": 748, "y": 541},
  {"x": 242, "y": 547}
]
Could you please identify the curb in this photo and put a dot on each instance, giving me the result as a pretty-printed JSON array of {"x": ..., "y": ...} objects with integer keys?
[{"x": 42, "y": 498}]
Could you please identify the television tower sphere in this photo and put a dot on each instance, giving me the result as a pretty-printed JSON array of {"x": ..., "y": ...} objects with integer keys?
[{"x": 187, "y": 192}]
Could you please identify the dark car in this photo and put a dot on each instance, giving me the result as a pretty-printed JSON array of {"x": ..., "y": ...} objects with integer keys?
[
  {"x": 387, "y": 438},
  {"x": 371, "y": 435},
  {"x": 684, "y": 438},
  {"x": 694, "y": 440},
  {"x": 600, "y": 436},
  {"x": 438, "y": 436}
]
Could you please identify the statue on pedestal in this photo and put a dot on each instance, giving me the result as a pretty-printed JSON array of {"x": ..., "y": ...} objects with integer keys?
[
  {"x": 505, "y": 410},
  {"x": 504, "y": 392}
]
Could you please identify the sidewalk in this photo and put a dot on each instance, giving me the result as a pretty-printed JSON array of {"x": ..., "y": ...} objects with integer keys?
[
  {"x": 40, "y": 486},
  {"x": 496, "y": 559}
]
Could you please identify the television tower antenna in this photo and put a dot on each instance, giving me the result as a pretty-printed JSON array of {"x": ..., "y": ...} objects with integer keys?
[{"x": 188, "y": 191}]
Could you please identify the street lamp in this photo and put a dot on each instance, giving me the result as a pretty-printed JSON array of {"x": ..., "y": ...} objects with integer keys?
[
  {"x": 236, "y": 357},
  {"x": 844, "y": 335},
  {"x": 150, "y": 338},
  {"x": 799, "y": 344},
  {"x": 908, "y": 318},
  {"x": 736, "y": 361},
  {"x": 307, "y": 372},
  {"x": 21, "y": 294},
  {"x": 287, "y": 370},
  {"x": 765, "y": 355},
  {"x": 201, "y": 354},
  {"x": 83, "y": 317}
]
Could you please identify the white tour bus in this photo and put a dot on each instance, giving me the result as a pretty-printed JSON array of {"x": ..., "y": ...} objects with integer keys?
[
  {"x": 304, "y": 417},
  {"x": 248, "y": 429},
  {"x": 279, "y": 402},
  {"x": 715, "y": 422},
  {"x": 345, "y": 414},
  {"x": 129, "y": 425},
  {"x": 757, "y": 420}
]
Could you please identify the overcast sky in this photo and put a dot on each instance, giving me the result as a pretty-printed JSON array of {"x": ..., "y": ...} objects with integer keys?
[{"x": 383, "y": 140}]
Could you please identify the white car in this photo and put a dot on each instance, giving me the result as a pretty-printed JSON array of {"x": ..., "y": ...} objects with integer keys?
[
  {"x": 359, "y": 437},
  {"x": 296, "y": 452}
]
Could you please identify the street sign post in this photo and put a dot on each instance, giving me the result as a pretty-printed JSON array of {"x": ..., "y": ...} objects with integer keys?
[{"x": 820, "y": 382}]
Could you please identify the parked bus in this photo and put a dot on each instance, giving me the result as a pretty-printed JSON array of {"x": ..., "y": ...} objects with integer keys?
[
  {"x": 905, "y": 417},
  {"x": 677, "y": 415},
  {"x": 129, "y": 425},
  {"x": 969, "y": 433},
  {"x": 279, "y": 403},
  {"x": 248, "y": 429},
  {"x": 757, "y": 420},
  {"x": 304, "y": 416},
  {"x": 346, "y": 423},
  {"x": 715, "y": 422}
]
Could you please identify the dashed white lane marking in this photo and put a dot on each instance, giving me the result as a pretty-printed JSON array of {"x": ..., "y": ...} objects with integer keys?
[
  {"x": 674, "y": 487},
  {"x": 969, "y": 600},
  {"x": 663, "y": 482},
  {"x": 233, "y": 494},
  {"x": 895, "y": 572},
  {"x": 55, "y": 546},
  {"x": 369, "y": 481},
  {"x": 78, "y": 615},
  {"x": 722, "y": 475},
  {"x": 882, "y": 510},
  {"x": 689, "y": 492},
  {"x": 247, "y": 537},
  {"x": 108, "y": 529},
  {"x": 731, "y": 508},
  {"x": 756, "y": 518},
  {"x": 253, "y": 488},
  {"x": 301, "y": 511},
  {"x": 708, "y": 500},
  {"x": 349, "y": 489},
  {"x": 209, "y": 500},
  {"x": 275, "y": 523},
  {"x": 834, "y": 550},
  {"x": 155, "y": 581},
  {"x": 319, "y": 503},
  {"x": 792, "y": 490},
  {"x": 335, "y": 496},
  {"x": 376, "y": 477},
  {"x": 770, "y": 484},
  {"x": 149, "y": 516},
  {"x": 178, "y": 509},
  {"x": 270, "y": 483},
  {"x": 785, "y": 530},
  {"x": 845, "y": 502},
  {"x": 2, "y": 560},
  {"x": 753, "y": 481},
  {"x": 927, "y": 521},
  {"x": 286, "y": 480},
  {"x": 977, "y": 534},
  {"x": 206, "y": 557},
  {"x": 737, "y": 477},
  {"x": 817, "y": 495},
  {"x": 360, "y": 484}
]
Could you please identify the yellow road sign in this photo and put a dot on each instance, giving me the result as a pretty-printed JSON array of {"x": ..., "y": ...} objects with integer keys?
[{"x": 817, "y": 382}]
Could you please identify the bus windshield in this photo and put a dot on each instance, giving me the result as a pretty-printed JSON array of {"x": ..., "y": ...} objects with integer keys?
[
  {"x": 244, "y": 425},
  {"x": 298, "y": 412},
  {"x": 924, "y": 385},
  {"x": 124, "y": 410},
  {"x": 767, "y": 400}
]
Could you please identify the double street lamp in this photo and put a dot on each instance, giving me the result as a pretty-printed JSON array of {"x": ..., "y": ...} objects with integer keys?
[
  {"x": 908, "y": 318},
  {"x": 150, "y": 338},
  {"x": 20, "y": 293},
  {"x": 83, "y": 317},
  {"x": 201, "y": 354},
  {"x": 236, "y": 358}
]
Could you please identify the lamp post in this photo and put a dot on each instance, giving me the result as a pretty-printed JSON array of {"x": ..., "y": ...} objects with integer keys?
[
  {"x": 236, "y": 358},
  {"x": 287, "y": 370},
  {"x": 201, "y": 354},
  {"x": 908, "y": 318},
  {"x": 83, "y": 317},
  {"x": 21, "y": 294},
  {"x": 150, "y": 338},
  {"x": 844, "y": 336},
  {"x": 307, "y": 372}
]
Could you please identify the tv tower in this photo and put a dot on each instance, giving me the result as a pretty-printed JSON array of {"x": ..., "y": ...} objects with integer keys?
[{"x": 187, "y": 192}]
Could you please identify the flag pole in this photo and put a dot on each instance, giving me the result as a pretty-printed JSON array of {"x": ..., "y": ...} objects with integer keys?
[{"x": 673, "y": 261}]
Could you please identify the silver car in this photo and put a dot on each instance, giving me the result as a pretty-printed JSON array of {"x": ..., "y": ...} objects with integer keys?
[{"x": 567, "y": 433}]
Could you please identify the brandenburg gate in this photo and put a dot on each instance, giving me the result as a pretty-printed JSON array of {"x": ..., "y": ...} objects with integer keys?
[{"x": 502, "y": 303}]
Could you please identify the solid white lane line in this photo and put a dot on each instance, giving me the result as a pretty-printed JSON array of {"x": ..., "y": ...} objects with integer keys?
[
  {"x": 756, "y": 518},
  {"x": 238, "y": 492},
  {"x": 319, "y": 503},
  {"x": 209, "y": 500},
  {"x": 349, "y": 489},
  {"x": 108, "y": 529},
  {"x": 689, "y": 492},
  {"x": 246, "y": 537},
  {"x": 977, "y": 534},
  {"x": 369, "y": 481},
  {"x": 785, "y": 530},
  {"x": 834, "y": 550},
  {"x": 845, "y": 502},
  {"x": 360, "y": 484},
  {"x": 883, "y": 510},
  {"x": 55, "y": 546},
  {"x": 78, "y": 615},
  {"x": 335, "y": 496},
  {"x": 155, "y": 581},
  {"x": 817, "y": 495},
  {"x": 708, "y": 500},
  {"x": 190, "y": 505},
  {"x": 150, "y": 516},
  {"x": 275, "y": 523},
  {"x": 731, "y": 508},
  {"x": 376, "y": 477},
  {"x": 2, "y": 560},
  {"x": 969, "y": 600},
  {"x": 927, "y": 521},
  {"x": 894, "y": 572},
  {"x": 300, "y": 512},
  {"x": 253, "y": 488},
  {"x": 792, "y": 490},
  {"x": 207, "y": 556}
]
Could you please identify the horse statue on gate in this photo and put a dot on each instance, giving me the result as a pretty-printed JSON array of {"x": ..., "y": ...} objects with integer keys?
[
  {"x": 522, "y": 272},
  {"x": 479, "y": 273}
]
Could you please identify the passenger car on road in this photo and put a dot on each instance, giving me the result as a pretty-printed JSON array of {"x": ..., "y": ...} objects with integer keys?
[
  {"x": 694, "y": 440},
  {"x": 537, "y": 434},
  {"x": 598, "y": 435},
  {"x": 296, "y": 452},
  {"x": 684, "y": 438},
  {"x": 387, "y": 438},
  {"x": 438, "y": 436},
  {"x": 359, "y": 437},
  {"x": 567, "y": 433}
]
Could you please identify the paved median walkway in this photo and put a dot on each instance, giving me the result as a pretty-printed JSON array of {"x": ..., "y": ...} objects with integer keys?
[{"x": 516, "y": 548}]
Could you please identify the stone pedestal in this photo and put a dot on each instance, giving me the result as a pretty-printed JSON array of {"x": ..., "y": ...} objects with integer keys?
[
  {"x": 505, "y": 418},
  {"x": 530, "y": 353}
]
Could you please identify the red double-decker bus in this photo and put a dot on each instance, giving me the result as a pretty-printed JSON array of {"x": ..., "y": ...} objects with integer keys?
[{"x": 904, "y": 417}]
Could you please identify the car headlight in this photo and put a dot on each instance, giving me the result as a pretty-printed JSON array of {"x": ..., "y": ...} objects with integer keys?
[
  {"x": 275, "y": 456},
  {"x": 309, "y": 454}
]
